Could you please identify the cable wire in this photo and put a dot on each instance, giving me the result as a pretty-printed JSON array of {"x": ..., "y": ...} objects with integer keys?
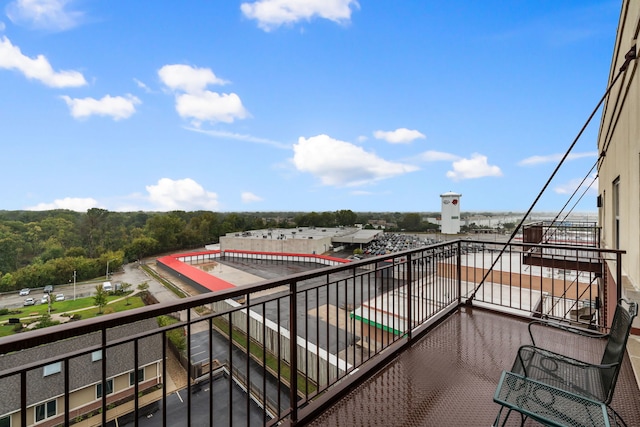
[{"x": 631, "y": 55}]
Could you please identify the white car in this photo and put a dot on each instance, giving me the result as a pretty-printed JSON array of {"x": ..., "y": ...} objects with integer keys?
[
  {"x": 45, "y": 299},
  {"x": 29, "y": 301},
  {"x": 60, "y": 297},
  {"x": 24, "y": 292}
]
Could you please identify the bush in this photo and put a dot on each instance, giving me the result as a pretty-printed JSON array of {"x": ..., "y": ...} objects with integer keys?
[
  {"x": 4, "y": 311},
  {"x": 45, "y": 321}
]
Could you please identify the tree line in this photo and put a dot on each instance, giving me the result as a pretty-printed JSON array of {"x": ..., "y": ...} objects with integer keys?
[{"x": 39, "y": 248}]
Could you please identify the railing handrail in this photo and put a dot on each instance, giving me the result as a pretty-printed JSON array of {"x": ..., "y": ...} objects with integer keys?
[
  {"x": 399, "y": 295},
  {"x": 67, "y": 330}
]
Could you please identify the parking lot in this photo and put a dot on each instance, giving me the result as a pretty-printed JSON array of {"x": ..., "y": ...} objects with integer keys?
[{"x": 13, "y": 300}]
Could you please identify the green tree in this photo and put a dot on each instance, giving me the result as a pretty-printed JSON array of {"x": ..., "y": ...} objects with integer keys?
[
  {"x": 124, "y": 287},
  {"x": 166, "y": 230},
  {"x": 346, "y": 218},
  {"x": 76, "y": 251},
  {"x": 141, "y": 247},
  {"x": 143, "y": 287},
  {"x": 93, "y": 230},
  {"x": 411, "y": 222},
  {"x": 100, "y": 298}
]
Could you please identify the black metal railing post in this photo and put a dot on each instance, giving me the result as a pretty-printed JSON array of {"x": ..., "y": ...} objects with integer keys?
[
  {"x": 189, "y": 366},
  {"x": 66, "y": 393},
  {"x": 136, "y": 386},
  {"x": 105, "y": 390},
  {"x": 293, "y": 351},
  {"x": 409, "y": 285},
  {"x": 459, "y": 271},
  {"x": 165, "y": 343},
  {"x": 618, "y": 276}
]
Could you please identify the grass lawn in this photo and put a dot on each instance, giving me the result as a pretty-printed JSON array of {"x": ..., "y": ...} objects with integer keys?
[
  {"x": 28, "y": 314},
  {"x": 134, "y": 302}
]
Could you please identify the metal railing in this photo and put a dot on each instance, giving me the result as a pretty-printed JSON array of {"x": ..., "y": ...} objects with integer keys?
[
  {"x": 297, "y": 341},
  {"x": 569, "y": 233}
]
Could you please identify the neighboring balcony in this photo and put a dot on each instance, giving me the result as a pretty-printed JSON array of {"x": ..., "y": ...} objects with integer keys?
[{"x": 414, "y": 338}]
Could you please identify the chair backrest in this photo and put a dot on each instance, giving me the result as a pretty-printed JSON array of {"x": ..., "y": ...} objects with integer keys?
[{"x": 617, "y": 344}]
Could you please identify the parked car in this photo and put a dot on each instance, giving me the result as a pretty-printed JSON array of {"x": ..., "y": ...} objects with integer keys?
[
  {"x": 48, "y": 289},
  {"x": 45, "y": 299},
  {"x": 60, "y": 297},
  {"x": 29, "y": 301},
  {"x": 24, "y": 292}
]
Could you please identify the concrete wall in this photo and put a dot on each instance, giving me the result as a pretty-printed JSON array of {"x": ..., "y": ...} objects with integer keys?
[{"x": 290, "y": 244}]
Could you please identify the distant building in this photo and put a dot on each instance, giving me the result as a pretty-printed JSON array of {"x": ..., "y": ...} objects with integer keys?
[
  {"x": 301, "y": 240},
  {"x": 450, "y": 223},
  {"x": 45, "y": 394}
]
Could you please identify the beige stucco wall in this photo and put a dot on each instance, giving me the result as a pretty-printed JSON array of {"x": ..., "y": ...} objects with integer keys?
[
  {"x": 289, "y": 245},
  {"x": 620, "y": 136}
]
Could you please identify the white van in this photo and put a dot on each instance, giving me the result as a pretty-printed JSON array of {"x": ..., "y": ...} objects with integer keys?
[{"x": 107, "y": 287}]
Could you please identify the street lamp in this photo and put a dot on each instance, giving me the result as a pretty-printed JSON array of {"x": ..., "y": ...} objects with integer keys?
[
  {"x": 107, "y": 275},
  {"x": 74, "y": 285}
]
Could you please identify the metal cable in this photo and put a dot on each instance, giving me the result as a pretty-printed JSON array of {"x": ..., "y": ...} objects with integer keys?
[{"x": 631, "y": 55}]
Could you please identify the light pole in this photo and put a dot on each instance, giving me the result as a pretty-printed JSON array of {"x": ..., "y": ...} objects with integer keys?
[
  {"x": 74, "y": 285},
  {"x": 107, "y": 275}
]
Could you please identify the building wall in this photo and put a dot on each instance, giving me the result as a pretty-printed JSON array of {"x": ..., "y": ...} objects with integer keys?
[
  {"x": 290, "y": 244},
  {"x": 619, "y": 138},
  {"x": 84, "y": 400}
]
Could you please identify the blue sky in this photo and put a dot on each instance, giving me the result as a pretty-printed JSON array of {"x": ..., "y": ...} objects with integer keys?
[{"x": 299, "y": 105}]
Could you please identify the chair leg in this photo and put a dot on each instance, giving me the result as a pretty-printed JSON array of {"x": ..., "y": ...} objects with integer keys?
[
  {"x": 617, "y": 419},
  {"x": 496, "y": 423}
]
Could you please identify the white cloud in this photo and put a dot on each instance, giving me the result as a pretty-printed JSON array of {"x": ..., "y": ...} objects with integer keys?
[
  {"x": 210, "y": 107},
  {"x": 399, "y": 136},
  {"x": 555, "y": 158},
  {"x": 362, "y": 138},
  {"x": 142, "y": 86},
  {"x": 44, "y": 14},
  {"x": 271, "y": 14},
  {"x": 475, "y": 167},
  {"x": 117, "y": 107},
  {"x": 590, "y": 185},
  {"x": 2, "y": 26},
  {"x": 437, "y": 156},
  {"x": 11, "y": 58},
  {"x": 240, "y": 137},
  {"x": 180, "y": 77},
  {"x": 339, "y": 163},
  {"x": 248, "y": 197},
  {"x": 182, "y": 194},
  {"x": 194, "y": 102},
  {"x": 71, "y": 203}
]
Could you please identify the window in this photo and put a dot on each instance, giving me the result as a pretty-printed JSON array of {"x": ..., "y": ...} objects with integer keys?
[
  {"x": 616, "y": 213},
  {"x": 5, "y": 421},
  {"x": 54, "y": 368},
  {"x": 132, "y": 379},
  {"x": 109, "y": 388},
  {"x": 96, "y": 355},
  {"x": 46, "y": 410}
]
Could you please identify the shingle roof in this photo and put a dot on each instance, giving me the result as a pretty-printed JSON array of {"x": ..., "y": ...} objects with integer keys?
[{"x": 82, "y": 370}]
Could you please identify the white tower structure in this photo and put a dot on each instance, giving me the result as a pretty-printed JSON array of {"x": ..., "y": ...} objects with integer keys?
[{"x": 450, "y": 223}]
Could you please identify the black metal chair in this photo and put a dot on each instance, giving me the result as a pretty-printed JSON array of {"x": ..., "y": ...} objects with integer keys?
[{"x": 594, "y": 381}]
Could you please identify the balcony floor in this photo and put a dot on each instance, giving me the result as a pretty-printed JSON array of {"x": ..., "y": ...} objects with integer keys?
[{"x": 449, "y": 376}]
